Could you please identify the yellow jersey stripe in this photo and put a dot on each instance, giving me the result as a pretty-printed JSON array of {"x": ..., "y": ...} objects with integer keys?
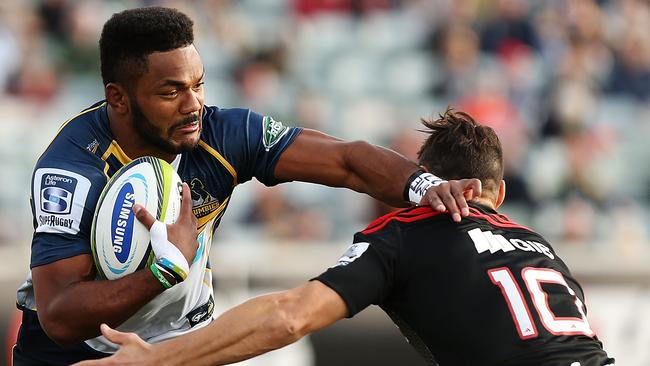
[
  {"x": 206, "y": 219},
  {"x": 221, "y": 159},
  {"x": 115, "y": 150}
]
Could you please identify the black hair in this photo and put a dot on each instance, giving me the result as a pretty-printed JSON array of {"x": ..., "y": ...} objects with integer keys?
[
  {"x": 459, "y": 147},
  {"x": 130, "y": 36}
]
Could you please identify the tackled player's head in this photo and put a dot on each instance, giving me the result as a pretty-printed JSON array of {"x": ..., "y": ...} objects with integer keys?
[
  {"x": 128, "y": 37},
  {"x": 458, "y": 147}
]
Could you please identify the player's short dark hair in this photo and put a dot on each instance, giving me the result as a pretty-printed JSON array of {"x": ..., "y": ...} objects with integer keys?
[
  {"x": 459, "y": 147},
  {"x": 128, "y": 37}
]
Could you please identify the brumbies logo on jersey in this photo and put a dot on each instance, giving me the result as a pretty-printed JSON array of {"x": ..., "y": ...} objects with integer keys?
[
  {"x": 202, "y": 201},
  {"x": 59, "y": 196}
]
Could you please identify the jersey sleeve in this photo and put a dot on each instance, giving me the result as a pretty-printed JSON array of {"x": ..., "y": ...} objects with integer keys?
[
  {"x": 252, "y": 143},
  {"x": 365, "y": 274},
  {"x": 63, "y": 202}
]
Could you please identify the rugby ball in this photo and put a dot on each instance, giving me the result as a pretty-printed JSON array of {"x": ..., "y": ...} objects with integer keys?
[{"x": 120, "y": 243}]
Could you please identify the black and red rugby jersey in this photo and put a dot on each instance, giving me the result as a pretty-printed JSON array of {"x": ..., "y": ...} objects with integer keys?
[{"x": 485, "y": 291}]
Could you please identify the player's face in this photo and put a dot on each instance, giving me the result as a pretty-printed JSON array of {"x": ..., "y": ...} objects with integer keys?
[{"x": 167, "y": 101}]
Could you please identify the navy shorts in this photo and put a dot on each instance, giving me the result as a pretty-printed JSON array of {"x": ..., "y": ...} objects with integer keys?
[{"x": 34, "y": 347}]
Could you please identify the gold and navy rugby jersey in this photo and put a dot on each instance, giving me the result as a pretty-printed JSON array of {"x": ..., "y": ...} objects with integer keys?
[
  {"x": 485, "y": 291},
  {"x": 235, "y": 146}
]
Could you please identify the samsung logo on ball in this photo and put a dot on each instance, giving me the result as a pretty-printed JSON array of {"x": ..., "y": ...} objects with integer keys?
[{"x": 122, "y": 222}]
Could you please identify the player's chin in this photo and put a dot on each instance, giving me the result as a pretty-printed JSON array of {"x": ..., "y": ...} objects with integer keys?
[{"x": 188, "y": 142}]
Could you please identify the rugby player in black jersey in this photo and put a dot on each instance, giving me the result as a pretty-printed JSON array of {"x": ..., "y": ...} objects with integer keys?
[{"x": 487, "y": 291}]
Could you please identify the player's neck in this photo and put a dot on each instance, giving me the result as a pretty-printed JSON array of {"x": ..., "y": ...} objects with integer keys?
[{"x": 485, "y": 201}]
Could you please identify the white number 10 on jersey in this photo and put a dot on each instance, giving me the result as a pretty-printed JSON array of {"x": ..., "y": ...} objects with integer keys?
[{"x": 534, "y": 277}]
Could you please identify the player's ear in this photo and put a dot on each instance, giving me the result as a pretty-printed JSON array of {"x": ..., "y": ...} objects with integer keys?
[
  {"x": 502, "y": 193},
  {"x": 117, "y": 97}
]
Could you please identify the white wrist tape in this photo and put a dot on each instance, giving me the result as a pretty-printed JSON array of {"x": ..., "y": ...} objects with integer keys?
[
  {"x": 166, "y": 253},
  {"x": 420, "y": 184}
]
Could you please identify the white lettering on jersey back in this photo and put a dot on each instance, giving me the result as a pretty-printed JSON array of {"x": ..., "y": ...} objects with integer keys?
[
  {"x": 486, "y": 240},
  {"x": 59, "y": 200},
  {"x": 354, "y": 251}
]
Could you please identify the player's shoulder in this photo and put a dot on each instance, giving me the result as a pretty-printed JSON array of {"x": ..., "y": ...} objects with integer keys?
[
  {"x": 90, "y": 122},
  {"x": 73, "y": 157},
  {"x": 225, "y": 123},
  {"x": 479, "y": 216},
  {"x": 214, "y": 116},
  {"x": 239, "y": 124},
  {"x": 402, "y": 218},
  {"x": 84, "y": 135}
]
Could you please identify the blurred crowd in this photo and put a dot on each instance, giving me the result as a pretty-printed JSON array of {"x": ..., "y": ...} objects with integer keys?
[{"x": 565, "y": 83}]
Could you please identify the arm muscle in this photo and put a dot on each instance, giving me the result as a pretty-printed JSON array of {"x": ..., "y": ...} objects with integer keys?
[
  {"x": 257, "y": 326},
  {"x": 319, "y": 158},
  {"x": 71, "y": 304}
]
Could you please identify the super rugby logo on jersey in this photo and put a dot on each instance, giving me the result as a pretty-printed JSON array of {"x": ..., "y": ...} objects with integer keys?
[
  {"x": 203, "y": 203},
  {"x": 353, "y": 252},
  {"x": 122, "y": 222},
  {"x": 56, "y": 193},
  {"x": 59, "y": 197},
  {"x": 272, "y": 132}
]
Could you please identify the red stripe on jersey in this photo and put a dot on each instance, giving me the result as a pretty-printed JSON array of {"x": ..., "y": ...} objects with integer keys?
[
  {"x": 404, "y": 215},
  {"x": 423, "y": 212},
  {"x": 409, "y": 211},
  {"x": 385, "y": 217},
  {"x": 496, "y": 219}
]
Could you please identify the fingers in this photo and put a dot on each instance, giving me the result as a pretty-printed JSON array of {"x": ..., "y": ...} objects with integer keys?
[
  {"x": 143, "y": 216},
  {"x": 471, "y": 187},
  {"x": 453, "y": 196},
  {"x": 441, "y": 198},
  {"x": 459, "y": 200},
  {"x": 148, "y": 220},
  {"x": 186, "y": 205},
  {"x": 433, "y": 199},
  {"x": 455, "y": 201},
  {"x": 113, "y": 335}
]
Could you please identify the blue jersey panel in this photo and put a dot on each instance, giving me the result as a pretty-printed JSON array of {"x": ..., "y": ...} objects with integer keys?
[{"x": 250, "y": 142}]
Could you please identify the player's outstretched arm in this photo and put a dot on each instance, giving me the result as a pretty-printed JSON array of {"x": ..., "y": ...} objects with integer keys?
[
  {"x": 71, "y": 304},
  {"x": 358, "y": 165},
  {"x": 257, "y": 326}
]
